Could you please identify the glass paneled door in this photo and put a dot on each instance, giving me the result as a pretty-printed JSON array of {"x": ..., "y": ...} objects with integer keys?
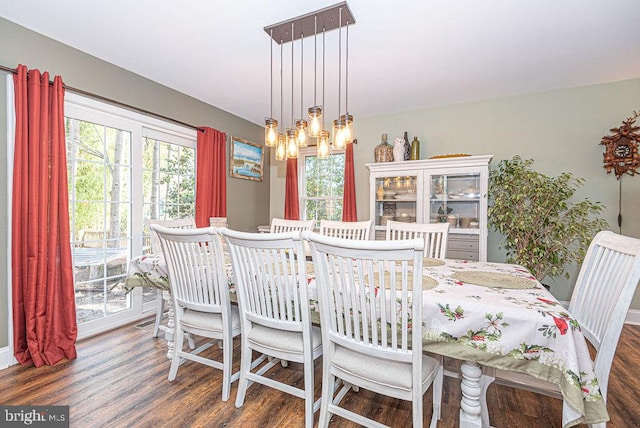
[
  {"x": 124, "y": 168},
  {"x": 99, "y": 171}
]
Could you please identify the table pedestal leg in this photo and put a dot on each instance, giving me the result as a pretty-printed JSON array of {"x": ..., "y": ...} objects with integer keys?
[
  {"x": 168, "y": 334},
  {"x": 471, "y": 391}
]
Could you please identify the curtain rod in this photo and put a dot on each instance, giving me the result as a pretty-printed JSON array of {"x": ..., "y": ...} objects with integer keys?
[{"x": 114, "y": 102}]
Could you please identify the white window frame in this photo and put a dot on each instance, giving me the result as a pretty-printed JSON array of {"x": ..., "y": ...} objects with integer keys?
[
  {"x": 303, "y": 152},
  {"x": 88, "y": 109}
]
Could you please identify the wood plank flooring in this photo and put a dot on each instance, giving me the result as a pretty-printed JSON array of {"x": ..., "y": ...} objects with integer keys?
[{"x": 120, "y": 379}]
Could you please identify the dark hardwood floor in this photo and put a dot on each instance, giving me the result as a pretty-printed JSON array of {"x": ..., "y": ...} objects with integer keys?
[{"x": 120, "y": 379}]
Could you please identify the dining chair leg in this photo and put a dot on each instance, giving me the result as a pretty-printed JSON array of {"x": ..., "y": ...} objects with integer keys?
[
  {"x": 437, "y": 393},
  {"x": 227, "y": 361},
  {"x": 245, "y": 366},
  {"x": 417, "y": 405},
  {"x": 308, "y": 392},
  {"x": 328, "y": 388},
  {"x": 159, "y": 313},
  {"x": 175, "y": 358}
]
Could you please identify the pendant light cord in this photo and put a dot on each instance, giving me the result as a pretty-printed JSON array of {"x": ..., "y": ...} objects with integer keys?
[
  {"x": 339, "y": 60},
  {"x": 293, "y": 125},
  {"x": 281, "y": 84},
  {"x": 271, "y": 77},
  {"x": 323, "y": 69},
  {"x": 315, "y": 59},
  {"x": 301, "y": 74},
  {"x": 346, "y": 67}
]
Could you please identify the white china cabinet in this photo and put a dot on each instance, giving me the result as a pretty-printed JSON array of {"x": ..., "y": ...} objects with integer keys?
[{"x": 452, "y": 190}]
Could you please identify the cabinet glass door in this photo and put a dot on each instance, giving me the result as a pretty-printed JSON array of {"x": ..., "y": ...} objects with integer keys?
[
  {"x": 455, "y": 199},
  {"x": 396, "y": 199}
]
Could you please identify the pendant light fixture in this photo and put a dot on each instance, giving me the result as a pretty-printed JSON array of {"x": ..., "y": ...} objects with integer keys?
[
  {"x": 346, "y": 118},
  {"x": 338, "y": 124},
  {"x": 292, "y": 143},
  {"x": 315, "y": 112},
  {"x": 301, "y": 124},
  {"x": 301, "y": 130},
  {"x": 281, "y": 145},
  {"x": 324, "y": 142},
  {"x": 270, "y": 124}
]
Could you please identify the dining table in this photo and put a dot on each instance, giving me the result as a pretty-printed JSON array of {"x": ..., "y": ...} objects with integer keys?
[{"x": 486, "y": 314}]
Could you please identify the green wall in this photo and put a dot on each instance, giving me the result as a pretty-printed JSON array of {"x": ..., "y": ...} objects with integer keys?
[
  {"x": 247, "y": 201},
  {"x": 561, "y": 130}
]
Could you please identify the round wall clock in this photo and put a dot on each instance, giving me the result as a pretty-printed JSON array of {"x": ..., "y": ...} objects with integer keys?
[{"x": 621, "y": 149}]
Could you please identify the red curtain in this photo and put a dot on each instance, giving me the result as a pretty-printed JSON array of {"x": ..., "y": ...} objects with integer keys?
[
  {"x": 211, "y": 175},
  {"x": 44, "y": 310},
  {"x": 291, "y": 205},
  {"x": 349, "y": 198}
]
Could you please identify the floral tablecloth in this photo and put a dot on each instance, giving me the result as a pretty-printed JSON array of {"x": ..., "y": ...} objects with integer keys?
[
  {"x": 518, "y": 326},
  {"x": 151, "y": 271},
  {"x": 519, "y": 329}
]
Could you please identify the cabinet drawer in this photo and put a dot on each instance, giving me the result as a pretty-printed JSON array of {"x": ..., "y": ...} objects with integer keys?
[
  {"x": 463, "y": 242},
  {"x": 471, "y": 256},
  {"x": 381, "y": 235}
]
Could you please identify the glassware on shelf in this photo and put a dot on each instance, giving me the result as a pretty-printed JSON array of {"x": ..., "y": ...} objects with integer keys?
[{"x": 383, "y": 152}]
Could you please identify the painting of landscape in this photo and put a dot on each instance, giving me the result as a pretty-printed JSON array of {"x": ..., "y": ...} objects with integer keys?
[{"x": 246, "y": 159}]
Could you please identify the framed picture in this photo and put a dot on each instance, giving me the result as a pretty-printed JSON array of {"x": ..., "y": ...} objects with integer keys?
[{"x": 247, "y": 159}]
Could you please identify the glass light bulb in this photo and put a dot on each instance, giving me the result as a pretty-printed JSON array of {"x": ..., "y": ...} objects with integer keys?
[
  {"x": 302, "y": 138},
  {"x": 281, "y": 147},
  {"x": 292, "y": 144},
  {"x": 270, "y": 132},
  {"x": 338, "y": 135},
  {"x": 272, "y": 136},
  {"x": 301, "y": 129},
  {"x": 315, "y": 121},
  {"x": 323, "y": 145}
]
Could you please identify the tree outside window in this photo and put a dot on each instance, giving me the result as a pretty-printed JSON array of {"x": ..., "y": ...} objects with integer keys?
[{"x": 322, "y": 186}]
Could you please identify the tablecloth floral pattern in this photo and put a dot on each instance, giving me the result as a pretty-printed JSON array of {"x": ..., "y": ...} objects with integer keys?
[
  {"x": 151, "y": 271},
  {"x": 518, "y": 329},
  {"x": 527, "y": 329}
]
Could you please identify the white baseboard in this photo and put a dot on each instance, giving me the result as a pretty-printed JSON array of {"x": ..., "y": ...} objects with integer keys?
[
  {"x": 6, "y": 359},
  {"x": 633, "y": 317}
]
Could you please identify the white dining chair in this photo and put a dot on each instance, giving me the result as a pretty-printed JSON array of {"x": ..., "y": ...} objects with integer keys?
[
  {"x": 200, "y": 293},
  {"x": 370, "y": 305},
  {"x": 600, "y": 300},
  {"x": 435, "y": 235},
  {"x": 182, "y": 223},
  {"x": 218, "y": 222},
  {"x": 280, "y": 225},
  {"x": 271, "y": 286},
  {"x": 358, "y": 230}
]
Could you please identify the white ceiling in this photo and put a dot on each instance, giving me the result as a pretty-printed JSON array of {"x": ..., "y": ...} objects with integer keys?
[{"x": 403, "y": 54}]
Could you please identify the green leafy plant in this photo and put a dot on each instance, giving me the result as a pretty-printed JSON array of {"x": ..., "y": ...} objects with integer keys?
[{"x": 544, "y": 229}]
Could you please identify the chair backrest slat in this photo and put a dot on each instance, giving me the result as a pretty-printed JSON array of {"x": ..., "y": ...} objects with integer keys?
[
  {"x": 181, "y": 223},
  {"x": 602, "y": 295},
  {"x": 270, "y": 277},
  {"x": 368, "y": 296},
  {"x": 357, "y": 230},
  {"x": 281, "y": 225},
  {"x": 195, "y": 263},
  {"x": 435, "y": 236}
]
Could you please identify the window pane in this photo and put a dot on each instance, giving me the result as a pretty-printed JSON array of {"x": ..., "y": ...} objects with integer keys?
[
  {"x": 324, "y": 187},
  {"x": 168, "y": 182},
  {"x": 99, "y": 205}
]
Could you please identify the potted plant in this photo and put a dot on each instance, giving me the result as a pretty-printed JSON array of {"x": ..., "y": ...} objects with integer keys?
[{"x": 544, "y": 228}]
